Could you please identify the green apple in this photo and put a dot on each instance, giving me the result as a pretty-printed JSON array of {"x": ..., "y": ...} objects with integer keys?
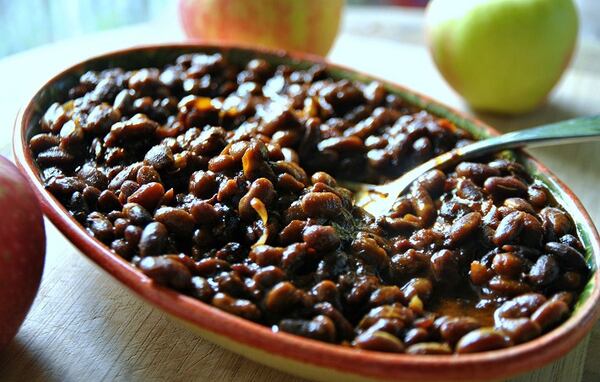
[{"x": 502, "y": 56}]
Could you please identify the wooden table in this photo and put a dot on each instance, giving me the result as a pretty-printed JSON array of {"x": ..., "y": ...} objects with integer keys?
[{"x": 85, "y": 326}]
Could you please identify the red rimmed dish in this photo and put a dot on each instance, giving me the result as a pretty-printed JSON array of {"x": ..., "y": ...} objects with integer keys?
[{"x": 287, "y": 352}]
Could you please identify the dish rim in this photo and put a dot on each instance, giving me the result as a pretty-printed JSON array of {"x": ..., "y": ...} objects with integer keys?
[{"x": 368, "y": 364}]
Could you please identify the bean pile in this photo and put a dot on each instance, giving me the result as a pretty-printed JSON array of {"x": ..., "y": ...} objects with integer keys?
[{"x": 220, "y": 181}]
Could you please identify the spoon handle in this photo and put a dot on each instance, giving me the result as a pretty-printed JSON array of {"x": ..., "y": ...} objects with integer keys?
[
  {"x": 569, "y": 131},
  {"x": 573, "y": 130}
]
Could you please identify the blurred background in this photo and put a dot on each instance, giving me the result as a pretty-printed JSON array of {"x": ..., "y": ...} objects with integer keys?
[{"x": 25, "y": 24}]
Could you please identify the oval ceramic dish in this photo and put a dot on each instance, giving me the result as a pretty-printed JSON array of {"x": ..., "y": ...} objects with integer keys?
[{"x": 297, "y": 355}]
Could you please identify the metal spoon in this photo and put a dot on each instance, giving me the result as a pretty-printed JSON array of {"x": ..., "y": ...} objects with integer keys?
[{"x": 378, "y": 200}]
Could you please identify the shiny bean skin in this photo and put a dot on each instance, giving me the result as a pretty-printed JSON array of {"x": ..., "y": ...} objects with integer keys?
[
  {"x": 378, "y": 341},
  {"x": 166, "y": 271},
  {"x": 509, "y": 228},
  {"x": 153, "y": 240},
  {"x": 429, "y": 348},
  {"x": 567, "y": 255},
  {"x": 464, "y": 226},
  {"x": 550, "y": 314},
  {"x": 480, "y": 340},
  {"x": 321, "y": 238},
  {"x": 503, "y": 187},
  {"x": 177, "y": 221}
]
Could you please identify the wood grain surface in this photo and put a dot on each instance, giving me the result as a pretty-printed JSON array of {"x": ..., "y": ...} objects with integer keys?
[{"x": 86, "y": 327}]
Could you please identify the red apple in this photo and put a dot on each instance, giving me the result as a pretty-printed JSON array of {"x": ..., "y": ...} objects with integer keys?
[
  {"x": 22, "y": 249},
  {"x": 296, "y": 25}
]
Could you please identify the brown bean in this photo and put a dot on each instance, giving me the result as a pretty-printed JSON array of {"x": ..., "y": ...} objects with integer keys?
[
  {"x": 567, "y": 297},
  {"x": 323, "y": 177},
  {"x": 342, "y": 144},
  {"x": 453, "y": 329},
  {"x": 55, "y": 156},
  {"x": 429, "y": 348},
  {"x": 386, "y": 295},
  {"x": 378, "y": 341},
  {"x": 567, "y": 256},
  {"x": 416, "y": 335},
  {"x": 160, "y": 157},
  {"x": 201, "y": 289},
  {"x": 370, "y": 252},
  {"x": 419, "y": 286},
  {"x": 532, "y": 234},
  {"x": 479, "y": 274},
  {"x": 122, "y": 248},
  {"x": 108, "y": 201},
  {"x": 153, "y": 240},
  {"x": 466, "y": 189},
  {"x": 433, "y": 182},
  {"x": 128, "y": 173},
  {"x": 321, "y": 204},
  {"x": 261, "y": 189},
  {"x": 445, "y": 266},
  {"x": 132, "y": 234},
  {"x": 268, "y": 276},
  {"x": 148, "y": 195},
  {"x": 147, "y": 174},
  {"x": 166, "y": 271},
  {"x": 504, "y": 187},
  {"x": 64, "y": 186},
  {"x": 518, "y": 307},
  {"x": 100, "y": 227},
  {"x": 478, "y": 172},
  {"x": 139, "y": 126},
  {"x": 54, "y": 118},
  {"x": 484, "y": 339},
  {"x": 537, "y": 195},
  {"x": 507, "y": 265},
  {"x": 203, "y": 184},
  {"x": 265, "y": 255},
  {"x": 239, "y": 307},
  {"x": 519, "y": 329},
  {"x": 178, "y": 221},
  {"x": 43, "y": 142},
  {"x": 550, "y": 314},
  {"x": 210, "y": 266},
  {"x": 254, "y": 161},
  {"x": 321, "y": 238},
  {"x": 282, "y": 298},
  {"x": 292, "y": 233},
  {"x": 137, "y": 214},
  {"x": 423, "y": 204},
  {"x": 544, "y": 271},
  {"x": 287, "y": 182},
  {"x": 507, "y": 287},
  {"x": 509, "y": 228},
  {"x": 320, "y": 328},
  {"x": 519, "y": 204},
  {"x": 556, "y": 223},
  {"x": 464, "y": 227},
  {"x": 204, "y": 212},
  {"x": 572, "y": 241}
]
